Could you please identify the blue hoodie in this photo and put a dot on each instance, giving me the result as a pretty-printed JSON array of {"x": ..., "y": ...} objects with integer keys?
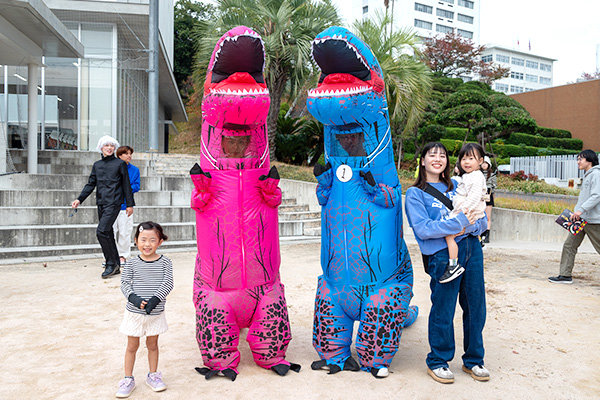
[
  {"x": 134, "y": 180},
  {"x": 428, "y": 218}
]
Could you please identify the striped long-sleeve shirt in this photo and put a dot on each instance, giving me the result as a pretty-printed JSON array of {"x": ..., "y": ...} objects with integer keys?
[{"x": 147, "y": 279}]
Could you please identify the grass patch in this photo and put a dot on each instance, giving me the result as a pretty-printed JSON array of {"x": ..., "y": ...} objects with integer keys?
[
  {"x": 296, "y": 172},
  {"x": 506, "y": 183},
  {"x": 544, "y": 207}
]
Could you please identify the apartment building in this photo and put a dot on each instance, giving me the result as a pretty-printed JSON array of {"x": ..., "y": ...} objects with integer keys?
[
  {"x": 427, "y": 17},
  {"x": 528, "y": 71}
]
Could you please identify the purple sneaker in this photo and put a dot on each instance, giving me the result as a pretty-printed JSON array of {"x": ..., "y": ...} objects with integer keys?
[
  {"x": 126, "y": 386},
  {"x": 154, "y": 380}
]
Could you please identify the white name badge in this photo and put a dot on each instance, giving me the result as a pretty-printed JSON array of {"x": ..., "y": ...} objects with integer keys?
[{"x": 344, "y": 173}]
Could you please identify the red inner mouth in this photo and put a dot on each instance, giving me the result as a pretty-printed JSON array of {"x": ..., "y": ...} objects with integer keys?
[
  {"x": 235, "y": 81},
  {"x": 340, "y": 81}
]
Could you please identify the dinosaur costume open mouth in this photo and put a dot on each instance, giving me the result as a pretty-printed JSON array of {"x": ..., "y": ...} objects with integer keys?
[
  {"x": 344, "y": 71},
  {"x": 238, "y": 66}
]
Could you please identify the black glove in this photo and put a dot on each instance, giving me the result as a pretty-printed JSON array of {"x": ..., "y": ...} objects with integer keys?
[
  {"x": 135, "y": 300},
  {"x": 319, "y": 169},
  {"x": 196, "y": 170},
  {"x": 368, "y": 176},
  {"x": 153, "y": 302},
  {"x": 273, "y": 174}
]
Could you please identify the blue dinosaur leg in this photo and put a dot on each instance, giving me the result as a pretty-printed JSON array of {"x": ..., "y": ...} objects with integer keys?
[
  {"x": 332, "y": 328},
  {"x": 385, "y": 312}
]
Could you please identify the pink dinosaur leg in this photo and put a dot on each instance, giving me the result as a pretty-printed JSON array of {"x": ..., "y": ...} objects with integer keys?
[
  {"x": 217, "y": 331},
  {"x": 269, "y": 333}
]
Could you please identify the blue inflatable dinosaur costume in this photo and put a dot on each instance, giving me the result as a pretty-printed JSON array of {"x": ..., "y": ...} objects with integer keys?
[{"x": 367, "y": 272}]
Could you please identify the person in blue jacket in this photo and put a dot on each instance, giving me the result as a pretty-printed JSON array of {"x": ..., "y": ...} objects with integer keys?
[
  {"x": 123, "y": 226},
  {"x": 429, "y": 219}
]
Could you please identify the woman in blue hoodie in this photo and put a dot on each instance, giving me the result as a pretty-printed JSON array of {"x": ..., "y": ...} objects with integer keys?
[{"x": 429, "y": 219}]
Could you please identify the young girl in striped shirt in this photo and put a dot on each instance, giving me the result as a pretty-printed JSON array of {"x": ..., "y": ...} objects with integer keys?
[{"x": 146, "y": 281}]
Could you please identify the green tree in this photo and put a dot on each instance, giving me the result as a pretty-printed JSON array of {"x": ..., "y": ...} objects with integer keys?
[
  {"x": 287, "y": 28},
  {"x": 407, "y": 79},
  {"x": 187, "y": 16}
]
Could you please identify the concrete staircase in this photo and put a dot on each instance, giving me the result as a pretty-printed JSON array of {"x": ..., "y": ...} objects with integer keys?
[{"x": 35, "y": 213}]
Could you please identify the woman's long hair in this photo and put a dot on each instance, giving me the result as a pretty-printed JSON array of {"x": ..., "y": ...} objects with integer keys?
[{"x": 444, "y": 176}]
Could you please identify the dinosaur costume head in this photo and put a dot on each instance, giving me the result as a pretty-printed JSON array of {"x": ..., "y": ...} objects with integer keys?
[
  {"x": 350, "y": 100},
  {"x": 235, "y": 104}
]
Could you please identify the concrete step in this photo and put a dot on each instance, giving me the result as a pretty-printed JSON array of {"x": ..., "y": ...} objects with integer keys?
[
  {"x": 298, "y": 215},
  {"x": 10, "y": 216},
  {"x": 312, "y": 232},
  {"x": 89, "y": 215},
  {"x": 64, "y": 198},
  {"x": 13, "y": 255},
  {"x": 63, "y": 235},
  {"x": 76, "y": 182},
  {"x": 83, "y": 234}
]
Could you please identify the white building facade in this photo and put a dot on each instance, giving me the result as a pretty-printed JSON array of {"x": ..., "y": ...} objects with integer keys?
[
  {"x": 428, "y": 18},
  {"x": 104, "y": 92},
  {"x": 528, "y": 71}
]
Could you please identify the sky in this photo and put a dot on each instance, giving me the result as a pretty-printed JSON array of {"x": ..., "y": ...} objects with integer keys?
[{"x": 567, "y": 30}]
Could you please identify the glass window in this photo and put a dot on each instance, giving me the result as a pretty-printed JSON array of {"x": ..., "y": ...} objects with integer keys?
[
  {"x": 545, "y": 67},
  {"x": 96, "y": 100},
  {"x": 531, "y": 78},
  {"x": 61, "y": 101},
  {"x": 531, "y": 64},
  {"x": 365, "y": 9},
  {"x": 16, "y": 92},
  {"x": 501, "y": 58},
  {"x": 97, "y": 39},
  {"x": 516, "y": 89},
  {"x": 423, "y": 8},
  {"x": 423, "y": 24},
  {"x": 465, "y": 18},
  {"x": 443, "y": 28},
  {"x": 466, "y": 34},
  {"x": 545, "y": 81},
  {"x": 444, "y": 13},
  {"x": 517, "y": 61},
  {"x": 516, "y": 75},
  {"x": 466, "y": 3},
  {"x": 487, "y": 58},
  {"x": 448, "y": 1},
  {"x": 502, "y": 87}
]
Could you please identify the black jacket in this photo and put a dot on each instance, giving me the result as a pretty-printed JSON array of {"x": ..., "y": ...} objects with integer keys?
[{"x": 110, "y": 178}]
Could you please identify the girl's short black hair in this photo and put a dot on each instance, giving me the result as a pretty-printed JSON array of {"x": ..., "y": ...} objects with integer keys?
[
  {"x": 469, "y": 149},
  {"x": 155, "y": 226},
  {"x": 422, "y": 175},
  {"x": 590, "y": 156}
]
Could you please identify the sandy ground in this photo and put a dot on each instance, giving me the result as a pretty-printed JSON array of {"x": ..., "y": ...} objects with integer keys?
[{"x": 59, "y": 336}]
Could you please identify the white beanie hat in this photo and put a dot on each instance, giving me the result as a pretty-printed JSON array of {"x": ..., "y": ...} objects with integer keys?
[
  {"x": 106, "y": 140},
  {"x": 487, "y": 160}
]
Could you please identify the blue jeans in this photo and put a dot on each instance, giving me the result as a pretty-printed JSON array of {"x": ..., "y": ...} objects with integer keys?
[{"x": 470, "y": 290}]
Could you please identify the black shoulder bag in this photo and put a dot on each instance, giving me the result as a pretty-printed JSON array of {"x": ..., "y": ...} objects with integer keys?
[{"x": 445, "y": 201}]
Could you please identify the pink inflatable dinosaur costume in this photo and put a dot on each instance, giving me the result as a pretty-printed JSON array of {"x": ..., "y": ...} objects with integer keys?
[{"x": 236, "y": 195}]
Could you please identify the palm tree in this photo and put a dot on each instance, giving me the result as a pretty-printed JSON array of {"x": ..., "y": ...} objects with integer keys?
[
  {"x": 287, "y": 28},
  {"x": 407, "y": 80}
]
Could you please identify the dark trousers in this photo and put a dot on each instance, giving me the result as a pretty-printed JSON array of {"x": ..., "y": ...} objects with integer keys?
[
  {"x": 470, "y": 290},
  {"x": 106, "y": 236}
]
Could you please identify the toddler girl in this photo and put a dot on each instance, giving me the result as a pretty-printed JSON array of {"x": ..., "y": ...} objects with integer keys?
[
  {"x": 470, "y": 195},
  {"x": 146, "y": 281}
]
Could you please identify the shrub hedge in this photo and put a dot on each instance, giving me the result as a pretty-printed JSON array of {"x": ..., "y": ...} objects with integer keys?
[
  {"x": 551, "y": 132},
  {"x": 509, "y": 150},
  {"x": 464, "y": 97},
  {"x": 541, "y": 141},
  {"x": 458, "y": 134}
]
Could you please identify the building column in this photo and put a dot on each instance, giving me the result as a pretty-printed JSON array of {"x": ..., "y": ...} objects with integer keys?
[
  {"x": 32, "y": 118},
  {"x": 4, "y": 123},
  {"x": 153, "y": 50}
]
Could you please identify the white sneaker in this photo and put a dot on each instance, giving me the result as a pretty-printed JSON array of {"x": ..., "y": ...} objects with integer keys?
[
  {"x": 478, "y": 372},
  {"x": 441, "y": 374},
  {"x": 126, "y": 386}
]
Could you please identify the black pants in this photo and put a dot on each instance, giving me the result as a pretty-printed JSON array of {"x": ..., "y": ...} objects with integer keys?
[{"x": 106, "y": 236}]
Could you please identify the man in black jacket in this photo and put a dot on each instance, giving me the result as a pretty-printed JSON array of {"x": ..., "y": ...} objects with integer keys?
[{"x": 110, "y": 178}]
